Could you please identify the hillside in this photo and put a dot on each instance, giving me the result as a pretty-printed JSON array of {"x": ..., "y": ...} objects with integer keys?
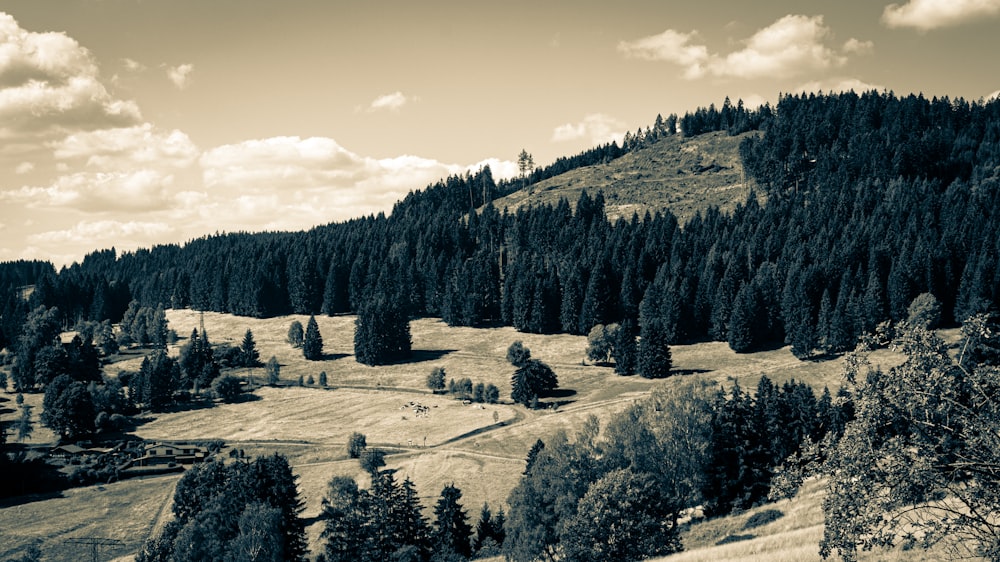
[{"x": 679, "y": 174}]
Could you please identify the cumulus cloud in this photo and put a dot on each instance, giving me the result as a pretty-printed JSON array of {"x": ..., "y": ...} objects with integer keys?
[
  {"x": 180, "y": 75},
  {"x": 98, "y": 192},
  {"x": 598, "y": 128},
  {"x": 125, "y": 147},
  {"x": 293, "y": 182},
  {"x": 127, "y": 235},
  {"x": 854, "y": 46},
  {"x": 932, "y": 14},
  {"x": 790, "y": 46},
  {"x": 24, "y": 168},
  {"x": 392, "y": 102},
  {"x": 49, "y": 85}
]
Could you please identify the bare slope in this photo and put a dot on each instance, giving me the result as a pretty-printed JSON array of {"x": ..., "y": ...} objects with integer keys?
[{"x": 684, "y": 175}]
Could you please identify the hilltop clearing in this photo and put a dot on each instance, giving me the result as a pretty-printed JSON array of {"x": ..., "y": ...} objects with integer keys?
[{"x": 681, "y": 174}]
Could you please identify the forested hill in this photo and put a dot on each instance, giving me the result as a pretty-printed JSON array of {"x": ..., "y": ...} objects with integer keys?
[{"x": 871, "y": 200}]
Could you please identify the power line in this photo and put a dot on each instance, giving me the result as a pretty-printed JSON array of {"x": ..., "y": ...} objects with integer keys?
[{"x": 95, "y": 543}]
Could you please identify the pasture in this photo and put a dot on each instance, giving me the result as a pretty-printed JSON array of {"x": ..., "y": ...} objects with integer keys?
[{"x": 464, "y": 445}]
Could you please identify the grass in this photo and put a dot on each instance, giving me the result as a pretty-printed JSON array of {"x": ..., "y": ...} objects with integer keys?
[
  {"x": 310, "y": 426},
  {"x": 684, "y": 175},
  {"x": 792, "y": 537},
  {"x": 125, "y": 511}
]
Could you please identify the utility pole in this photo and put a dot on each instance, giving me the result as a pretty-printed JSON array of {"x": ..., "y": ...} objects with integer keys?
[{"x": 95, "y": 543}]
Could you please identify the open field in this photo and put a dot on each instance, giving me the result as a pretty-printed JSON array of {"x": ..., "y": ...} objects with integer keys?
[
  {"x": 792, "y": 536},
  {"x": 328, "y": 417},
  {"x": 464, "y": 446},
  {"x": 126, "y": 511}
]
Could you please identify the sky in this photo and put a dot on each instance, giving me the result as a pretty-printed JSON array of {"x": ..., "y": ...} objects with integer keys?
[{"x": 130, "y": 123}]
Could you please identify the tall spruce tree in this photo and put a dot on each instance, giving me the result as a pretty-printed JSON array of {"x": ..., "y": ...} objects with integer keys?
[
  {"x": 249, "y": 356},
  {"x": 451, "y": 526},
  {"x": 312, "y": 342},
  {"x": 654, "y": 357}
]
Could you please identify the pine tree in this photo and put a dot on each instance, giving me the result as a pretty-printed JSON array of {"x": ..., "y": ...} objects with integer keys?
[
  {"x": 312, "y": 342},
  {"x": 626, "y": 349},
  {"x": 451, "y": 527},
  {"x": 382, "y": 332},
  {"x": 654, "y": 359},
  {"x": 249, "y": 356}
]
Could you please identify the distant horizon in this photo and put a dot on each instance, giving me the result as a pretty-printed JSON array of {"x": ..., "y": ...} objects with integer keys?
[{"x": 132, "y": 124}]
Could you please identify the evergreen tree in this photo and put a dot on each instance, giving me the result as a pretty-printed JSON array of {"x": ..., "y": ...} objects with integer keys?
[
  {"x": 347, "y": 529},
  {"x": 451, "y": 526},
  {"x": 626, "y": 349},
  {"x": 312, "y": 342},
  {"x": 249, "y": 356},
  {"x": 382, "y": 332},
  {"x": 654, "y": 357},
  {"x": 24, "y": 425},
  {"x": 533, "y": 455}
]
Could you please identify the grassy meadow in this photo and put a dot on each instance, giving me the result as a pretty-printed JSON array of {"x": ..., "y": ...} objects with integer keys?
[{"x": 455, "y": 443}]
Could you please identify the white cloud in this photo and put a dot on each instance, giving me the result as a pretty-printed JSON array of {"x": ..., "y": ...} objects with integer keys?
[
  {"x": 49, "y": 85},
  {"x": 854, "y": 46},
  {"x": 932, "y": 14},
  {"x": 124, "y": 234},
  {"x": 125, "y": 147},
  {"x": 598, "y": 128},
  {"x": 180, "y": 75},
  {"x": 792, "y": 45},
  {"x": 993, "y": 96},
  {"x": 837, "y": 85},
  {"x": 392, "y": 102},
  {"x": 671, "y": 46},
  {"x": 293, "y": 182},
  {"x": 132, "y": 65},
  {"x": 24, "y": 168},
  {"x": 98, "y": 192}
]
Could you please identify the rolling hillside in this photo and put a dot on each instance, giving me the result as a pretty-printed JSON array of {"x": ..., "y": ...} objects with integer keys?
[{"x": 684, "y": 175}]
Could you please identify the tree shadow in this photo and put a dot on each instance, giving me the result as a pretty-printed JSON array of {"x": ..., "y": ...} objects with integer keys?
[
  {"x": 822, "y": 357},
  {"x": 735, "y": 538},
  {"x": 558, "y": 393},
  {"x": 561, "y": 396},
  {"x": 423, "y": 355},
  {"x": 683, "y": 372},
  {"x": 334, "y": 356},
  {"x": 29, "y": 498},
  {"x": 762, "y": 518}
]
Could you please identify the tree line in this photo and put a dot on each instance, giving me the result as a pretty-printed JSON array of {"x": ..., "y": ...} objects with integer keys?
[{"x": 912, "y": 180}]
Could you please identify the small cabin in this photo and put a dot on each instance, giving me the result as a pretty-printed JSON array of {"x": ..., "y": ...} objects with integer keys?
[{"x": 162, "y": 453}]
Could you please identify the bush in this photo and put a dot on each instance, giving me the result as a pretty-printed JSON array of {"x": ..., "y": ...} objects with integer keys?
[
  {"x": 322, "y": 378},
  {"x": 356, "y": 444},
  {"x": 491, "y": 394},
  {"x": 295, "y": 333},
  {"x": 227, "y": 388},
  {"x": 924, "y": 312},
  {"x": 435, "y": 380}
]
